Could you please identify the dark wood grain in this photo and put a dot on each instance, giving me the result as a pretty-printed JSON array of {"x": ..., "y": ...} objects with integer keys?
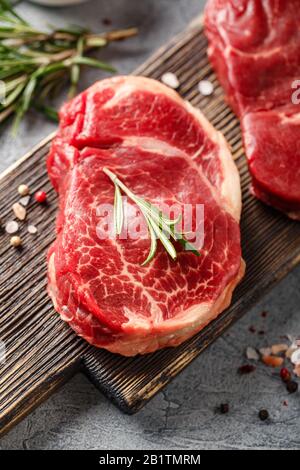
[{"x": 42, "y": 352}]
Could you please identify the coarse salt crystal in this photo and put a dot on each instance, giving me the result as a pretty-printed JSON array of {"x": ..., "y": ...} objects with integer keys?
[
  {"x": 293, "y": 341},
  {"x": 12, "y": 227},
  {"x": 170, "y": 79},
  {"x": 251, "y": 353},
  {"x": 278, "y": 348},
  {"x": 295, "y": 357},
  {"x": 205, "y": 87},
  {"x": 289, "y": 352},
  {"x": 32, "y": 229},
  {"x": 19, "y": 211},
  {"x": 24, "y": 200},
  {"x": 297, "y": 370},
  {"x": 265, "y": 351},
  {"x": 174, "y": 405}
]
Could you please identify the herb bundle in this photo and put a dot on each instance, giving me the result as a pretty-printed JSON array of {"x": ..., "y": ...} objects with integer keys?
[
  {"x": 34, "y": 64},
  {"x": 159, "y": 226}
]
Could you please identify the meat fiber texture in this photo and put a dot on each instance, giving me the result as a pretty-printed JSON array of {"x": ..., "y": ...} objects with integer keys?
[
  {"x": 164, "y": 150},
  {"x": 254, "y": 46}
]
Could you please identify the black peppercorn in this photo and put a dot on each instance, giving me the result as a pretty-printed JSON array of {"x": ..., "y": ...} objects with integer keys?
[
  {"x": 246, "y": 369},
  {"x": 263, "y": 415},
  {"x": 224, "y": 408},
  {"x": 292, "y": 386}
]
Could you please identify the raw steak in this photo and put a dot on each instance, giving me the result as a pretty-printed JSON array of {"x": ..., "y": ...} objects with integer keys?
[
  {"x": 163, "y": 150},
  {"x": 255, "y": 50}
]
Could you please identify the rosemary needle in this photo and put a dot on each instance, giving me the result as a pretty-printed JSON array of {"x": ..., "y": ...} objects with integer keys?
[
  {"x": 159, "y": 226},
  {"x": 118, "y": 210}
]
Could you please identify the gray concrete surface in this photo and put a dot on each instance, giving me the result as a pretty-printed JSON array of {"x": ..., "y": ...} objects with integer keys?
[{"x": 183, "y": 416}]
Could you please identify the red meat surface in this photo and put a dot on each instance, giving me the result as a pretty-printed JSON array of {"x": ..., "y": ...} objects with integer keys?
[
  {"x": 165, "y": 151},
  {"x": 254, "y": 46}
]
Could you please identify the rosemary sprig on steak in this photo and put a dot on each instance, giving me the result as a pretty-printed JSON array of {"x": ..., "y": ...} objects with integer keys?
[
  {"x": 34, "y": 64},
  {"x": 159, "y": 226}
]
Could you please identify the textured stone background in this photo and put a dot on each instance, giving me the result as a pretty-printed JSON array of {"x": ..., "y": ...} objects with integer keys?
[{"x": 183, "y": 416}]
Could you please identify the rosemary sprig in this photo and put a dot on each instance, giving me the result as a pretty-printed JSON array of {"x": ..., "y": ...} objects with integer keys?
[
  {"x": 159, "y": 226},
  {"x": 34, "y": 63}
]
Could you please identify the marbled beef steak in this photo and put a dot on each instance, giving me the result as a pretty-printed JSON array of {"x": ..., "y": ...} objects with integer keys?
[
  {"x": 254, "y": 46},
  {"x": 164, "y": 150}
]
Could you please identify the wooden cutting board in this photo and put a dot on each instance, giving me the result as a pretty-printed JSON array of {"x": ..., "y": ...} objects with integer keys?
[{"x": 42, "y": 352}]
